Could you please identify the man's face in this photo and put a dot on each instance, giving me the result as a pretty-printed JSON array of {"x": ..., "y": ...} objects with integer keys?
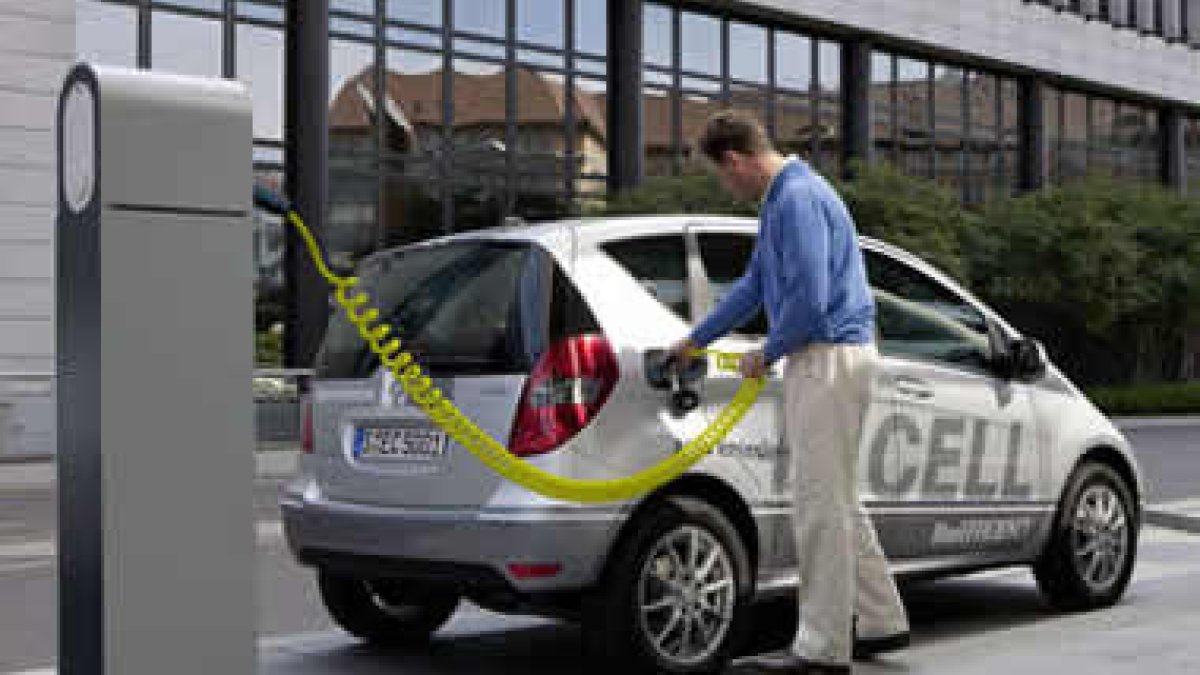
[{"x": 738, "y": 175}]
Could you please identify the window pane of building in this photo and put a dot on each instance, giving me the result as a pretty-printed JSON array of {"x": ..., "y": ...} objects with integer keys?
[
  {"x": 657, "y": 45},
  {"x": 949, "y": 125},
  {"x": 658, "y": 131},
  {"x": 422, "y": 12},
  {"x": 105, "y": 33},
  {"x": 364, "y": 8},
  {"x": 793, "y": 62},
  {"x": 696, "y": 109},
  {"x": 1008, "y": 173},
  {"x": 352, "y": 94},
  {"x": 541, "y": 22},
  {"x": 541, "y": 145},
  {"x": 413, "y": 136},
  {"x": 827, "y": 154},
  {"x": 1191, "y": 142},
  {"x": 591, "y": 26},
  {"x": 185, "y": 44},
  {"x": 748, "y": 52},
  {"x": 914, "y": 126},
  {"x": 883, "y": 109},
  {"x": 260, "y": 66},
  {"x": 212, "y": 6},
  {"x": 1101, "y": 143},
  {"x": 1074, "y": 137},
  {"x": 479, "y": 145},
  {"x": 1052, "y": 108},
  {"x": 353, "y": 226},
  {"x": 591, "y": 153},
  {"x": 701, "y": 44},
  {"x": 486, "y": 17},
  {"x": 981, "y": 145}
]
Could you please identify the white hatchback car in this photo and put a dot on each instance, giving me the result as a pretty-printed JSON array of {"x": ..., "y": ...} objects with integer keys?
[{"x": 976, "y": 452}]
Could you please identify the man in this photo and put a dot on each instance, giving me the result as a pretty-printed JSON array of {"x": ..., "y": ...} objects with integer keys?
[{"x": 807, "y": 269}]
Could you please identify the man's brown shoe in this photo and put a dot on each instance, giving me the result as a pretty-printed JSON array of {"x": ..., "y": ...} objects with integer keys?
[{"x": 784, "y": 662}]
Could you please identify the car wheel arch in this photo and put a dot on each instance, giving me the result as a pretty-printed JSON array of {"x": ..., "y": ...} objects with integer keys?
[{"x": 709, "y": 489}]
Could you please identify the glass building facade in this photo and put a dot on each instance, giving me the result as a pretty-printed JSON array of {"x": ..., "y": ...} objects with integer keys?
[
  {"x": 940, "y": 121},
  {"x": 239, "y": 39},
  {"x": 451, "y": 115},
  {"x": 1090, "y": 134},
  {"x": 695, "y": 64}
]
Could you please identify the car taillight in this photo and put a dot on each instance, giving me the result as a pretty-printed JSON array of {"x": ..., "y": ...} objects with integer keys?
[
  {"x": 568, "y": 386},
  {"x": 306, "y": 429}
]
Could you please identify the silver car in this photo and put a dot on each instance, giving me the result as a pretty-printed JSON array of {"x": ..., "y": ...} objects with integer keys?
[{"x": 976, "y": 451}]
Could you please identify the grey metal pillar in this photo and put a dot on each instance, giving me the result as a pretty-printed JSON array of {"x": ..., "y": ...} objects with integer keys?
[
  {"x": 1174, "y": 162},
  {"x": 625, "y": 162},
  {"x": 306, "y": 170},
  {"x": 1033, "y": 151},
  {"x": 856, "y": 104}
]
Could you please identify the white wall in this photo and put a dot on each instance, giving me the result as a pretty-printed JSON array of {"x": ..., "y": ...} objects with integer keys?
[
  {"x": 1023, "y": 34},
  {"x": 37, "y": 45}
]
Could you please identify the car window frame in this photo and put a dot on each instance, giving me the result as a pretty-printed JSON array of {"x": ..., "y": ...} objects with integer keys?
[
  {"x": 990, "y": 319},
  {"x": 688, "y": 316},
  {"x": 692, "y": 231}
]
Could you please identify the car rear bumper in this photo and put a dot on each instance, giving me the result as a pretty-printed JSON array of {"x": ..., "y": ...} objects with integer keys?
[{"x": 469, "y": 547}]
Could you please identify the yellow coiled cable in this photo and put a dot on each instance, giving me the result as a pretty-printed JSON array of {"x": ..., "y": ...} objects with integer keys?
[{"x": 458, "y": 426}]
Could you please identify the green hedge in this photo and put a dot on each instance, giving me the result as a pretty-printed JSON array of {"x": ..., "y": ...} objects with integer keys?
[
  {"x": 1105, "y": 272},
  {"x": 1154, "y": 399}
]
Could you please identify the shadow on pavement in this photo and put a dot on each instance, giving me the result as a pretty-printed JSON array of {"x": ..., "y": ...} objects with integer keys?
[{"x": 939, "y": 610}]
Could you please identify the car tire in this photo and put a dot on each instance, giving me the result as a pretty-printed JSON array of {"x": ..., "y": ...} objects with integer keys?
[
  {"x": 385, "y": 612},
  {"x": 685, "y": 564},
  {"x": 1089, "y": 558}
]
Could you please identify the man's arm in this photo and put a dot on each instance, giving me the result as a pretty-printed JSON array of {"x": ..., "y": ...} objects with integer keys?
[
  {"x": 735, "y": 309},
  {"x": 802, "y": 238}
]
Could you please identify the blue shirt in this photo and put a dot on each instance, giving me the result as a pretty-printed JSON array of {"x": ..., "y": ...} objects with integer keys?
[{"x": 806, "y": 268}]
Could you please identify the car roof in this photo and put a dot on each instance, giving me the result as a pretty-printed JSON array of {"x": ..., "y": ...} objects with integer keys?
[{"x": 596, "y": 230}]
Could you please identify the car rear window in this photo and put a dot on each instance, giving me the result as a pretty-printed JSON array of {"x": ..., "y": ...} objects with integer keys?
[{"x": 460, "y": 308}]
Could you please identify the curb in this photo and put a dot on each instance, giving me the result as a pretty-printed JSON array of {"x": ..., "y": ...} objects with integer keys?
[
  {"x": 1156, "y": 422},
  {"x": 1183, "y": 516}
]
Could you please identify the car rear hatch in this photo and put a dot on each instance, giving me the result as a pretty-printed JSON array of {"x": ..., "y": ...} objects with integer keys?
[{"x": 481, "y": 316}]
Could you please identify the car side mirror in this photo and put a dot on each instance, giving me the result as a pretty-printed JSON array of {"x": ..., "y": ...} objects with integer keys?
[{"x": 1027, "y": 360}]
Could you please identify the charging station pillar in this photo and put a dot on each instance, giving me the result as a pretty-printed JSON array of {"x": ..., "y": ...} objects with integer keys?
[{"x": 154, "y": 348}]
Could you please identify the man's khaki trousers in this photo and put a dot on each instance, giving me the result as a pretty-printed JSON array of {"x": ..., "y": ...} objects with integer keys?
[{"x": 842, "y": 570}]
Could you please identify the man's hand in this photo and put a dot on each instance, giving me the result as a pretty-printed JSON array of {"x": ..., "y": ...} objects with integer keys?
[
  {"x": 753, "y": 365},
  {"x": 682, "y": 351}
]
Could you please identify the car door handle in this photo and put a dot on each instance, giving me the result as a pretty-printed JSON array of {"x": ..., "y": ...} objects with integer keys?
[{"x": 912, "y": 387}]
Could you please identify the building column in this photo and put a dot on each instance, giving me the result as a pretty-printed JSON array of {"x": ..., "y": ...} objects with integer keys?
[
  {"x": 856, "y": 104},
  {"x": 1172, "y": 151},
  {"x": 625, "y": 160},
  {"x": 1033, "y": 150},
  {"x": 306, "y": 87}
]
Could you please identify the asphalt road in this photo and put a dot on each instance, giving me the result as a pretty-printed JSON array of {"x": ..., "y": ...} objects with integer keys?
[
  {"x": 994, "y": 623},
  {"x": 1170, "y": 459}
]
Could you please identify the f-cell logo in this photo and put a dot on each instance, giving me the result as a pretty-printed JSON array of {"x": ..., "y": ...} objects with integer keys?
[{"x": 960, "y": 458}]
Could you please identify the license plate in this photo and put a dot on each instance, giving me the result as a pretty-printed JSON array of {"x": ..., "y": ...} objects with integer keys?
[{"x": 399, "y": 443}]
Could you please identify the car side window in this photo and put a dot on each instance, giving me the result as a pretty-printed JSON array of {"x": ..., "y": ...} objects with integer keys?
[
  {"x": 660, "y": 265},
  {"x": 920, "y": 318},
  {"x": 725, "y": 256}
]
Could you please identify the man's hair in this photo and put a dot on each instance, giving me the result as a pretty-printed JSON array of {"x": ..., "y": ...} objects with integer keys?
[{"x": 733, "y": 131}]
